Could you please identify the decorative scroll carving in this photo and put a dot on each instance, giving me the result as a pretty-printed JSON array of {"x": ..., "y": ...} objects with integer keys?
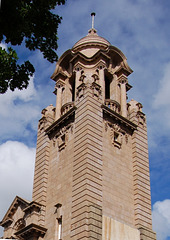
[
  {"x": 82, "y": 77},
  {"x": 95, "y": 77},
  {"x": 80, "y": 90},
  {"x": 96, "y": 89},
  {"x": 42, "y": 124},
  {"x": 141, "y": 118},
  {"x": 20, "y": 224}
]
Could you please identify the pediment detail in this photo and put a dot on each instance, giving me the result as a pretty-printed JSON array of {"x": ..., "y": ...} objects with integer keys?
[
  {"x": 16, "y": 207},
  {"x": 19, "y": 216}
]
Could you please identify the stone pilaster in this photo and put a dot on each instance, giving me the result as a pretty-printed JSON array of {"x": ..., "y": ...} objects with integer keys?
[
  {"x": 86, "y": 220},
  {"x": 102, "y": 82},
  {"x": 122, "y": 81},
  {"x": 42, "y": 160},
  {"x": 59, "y": 86},
  {"x": 142, "y": 199},
  {"x": 77, "y": 78}
]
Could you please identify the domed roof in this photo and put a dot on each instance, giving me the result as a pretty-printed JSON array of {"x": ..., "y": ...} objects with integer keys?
[{"x": 92, "y": 39}]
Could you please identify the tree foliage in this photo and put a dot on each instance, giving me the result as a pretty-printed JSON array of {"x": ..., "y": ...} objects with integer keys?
[{"x": 31, "y": 22}]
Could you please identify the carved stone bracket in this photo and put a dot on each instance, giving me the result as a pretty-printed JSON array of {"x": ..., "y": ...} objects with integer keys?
[
  {"x": 21, "y": 223},
  {"x": 80, "y": 90},
  {"x": 42, "y": 124},
  {"x": 62, "y": 137},
  {"x": 96, "y": 89},
  {"x": 117, "y": 134},
  {"x": 58, "y": 211},
  {"x": 47, "y": 118},
  {"x": 95, "y": 77},
  {"x": 141, "y": 118},
  {"x": 82, "y": 77}
]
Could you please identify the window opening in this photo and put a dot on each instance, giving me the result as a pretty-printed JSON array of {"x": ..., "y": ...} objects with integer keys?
[
  {"x": 107, "y": 88},
  {"x": 60, "y": 228},
  {"x": 73, "y": 91}
]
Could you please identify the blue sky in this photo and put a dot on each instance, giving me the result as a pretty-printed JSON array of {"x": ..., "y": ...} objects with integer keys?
[{"x": 141, "y": 30}]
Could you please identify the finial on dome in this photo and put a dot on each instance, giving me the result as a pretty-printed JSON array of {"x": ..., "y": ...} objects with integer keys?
[{"x": 93, "y": 14}]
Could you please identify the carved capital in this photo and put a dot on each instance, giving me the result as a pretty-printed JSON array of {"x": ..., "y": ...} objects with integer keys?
[
  {"x": 122, "y": 79},
  {"x": 101, "y": 65},
  {"x": 78, "y": 67},
  {"x": 59, "y": 84}
]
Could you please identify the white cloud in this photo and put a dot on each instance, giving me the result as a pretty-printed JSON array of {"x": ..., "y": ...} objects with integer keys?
[
  {"x": 3, "y": 46},
  {"x": 25, "y": 94},
  {"x": 16, "y": 173},
  {"x": 159, "y": 118},
  {"x": 161, "y": 219},
  {"x": 161, "y": 98},
  {"x": 17, "y": 110}
]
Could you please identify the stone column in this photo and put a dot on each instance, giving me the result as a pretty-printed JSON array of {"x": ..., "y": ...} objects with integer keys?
[
  {"x": 68, "y": 95},
  {"x": 102, "y": 82},
  {"x": 122, "y": 81},
  {"x": 59, "y": 86}
]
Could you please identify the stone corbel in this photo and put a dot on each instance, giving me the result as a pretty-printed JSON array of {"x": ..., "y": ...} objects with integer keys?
[{"x": 58, "y": 211}]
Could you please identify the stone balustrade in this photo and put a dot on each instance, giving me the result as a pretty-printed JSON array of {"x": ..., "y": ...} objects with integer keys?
[
  {"x": 66, "y": 107},
  {"x": 113, "y": 105}
]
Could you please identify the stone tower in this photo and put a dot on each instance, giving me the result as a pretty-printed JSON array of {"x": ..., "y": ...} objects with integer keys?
[{"x": 91, "y": 172}]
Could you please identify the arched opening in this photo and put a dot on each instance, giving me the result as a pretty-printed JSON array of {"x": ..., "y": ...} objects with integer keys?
[
  {"x": 72, "y": 86},
  {"x": 107, "y": 87}
]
